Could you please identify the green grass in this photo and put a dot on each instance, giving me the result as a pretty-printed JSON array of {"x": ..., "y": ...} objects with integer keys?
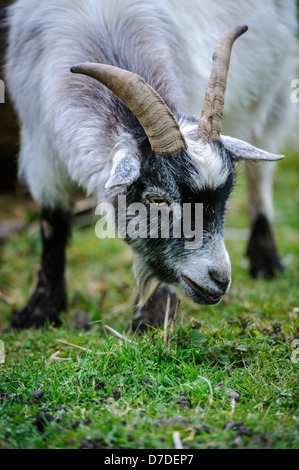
[{"x": 243, "y": 344}]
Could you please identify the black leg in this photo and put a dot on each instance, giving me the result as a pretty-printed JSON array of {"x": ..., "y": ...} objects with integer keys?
[
  {"x": 262, "y": 251},
  {"x": 49, "y": 298},
  {"x": 153, "y": 312}
]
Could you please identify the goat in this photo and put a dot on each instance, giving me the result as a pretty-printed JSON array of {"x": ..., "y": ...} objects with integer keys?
[{"x": 130, "y": 128}]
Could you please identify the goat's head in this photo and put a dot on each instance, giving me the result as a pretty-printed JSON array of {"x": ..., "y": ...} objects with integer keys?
[{"x": 179, "y": 160}]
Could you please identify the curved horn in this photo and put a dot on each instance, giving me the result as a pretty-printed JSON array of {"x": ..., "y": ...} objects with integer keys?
[
  {"x": 145, "y": 103},
  {"x": 210, "y": 123}
]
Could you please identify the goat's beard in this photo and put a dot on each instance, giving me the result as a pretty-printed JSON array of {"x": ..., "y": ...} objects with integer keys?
[{"x": 146, "y": 281}]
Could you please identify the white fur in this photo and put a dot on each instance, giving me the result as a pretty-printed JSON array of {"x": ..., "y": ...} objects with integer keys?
[
  {"x": 197, "y": 266},
  {"x": 212, "y": 172}
]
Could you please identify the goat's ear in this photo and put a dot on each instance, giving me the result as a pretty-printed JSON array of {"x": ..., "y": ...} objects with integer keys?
[
  {"x": 125, "y": 170},
  {"x": 240, "y": 150}
]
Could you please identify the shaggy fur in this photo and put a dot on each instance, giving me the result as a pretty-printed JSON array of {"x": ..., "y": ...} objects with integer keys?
[
  {"x": 74, "y": 131},
  {"x": 71, "y": 124}
]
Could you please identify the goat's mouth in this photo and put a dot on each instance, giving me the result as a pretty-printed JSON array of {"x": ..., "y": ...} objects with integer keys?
[{"x": 199, "y": 295}]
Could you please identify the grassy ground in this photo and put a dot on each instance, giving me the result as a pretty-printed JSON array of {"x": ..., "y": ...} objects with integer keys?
[{"x": 123, "y": 395}]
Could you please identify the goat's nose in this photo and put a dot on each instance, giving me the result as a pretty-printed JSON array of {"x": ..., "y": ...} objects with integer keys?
[{"x": 222, "y": 281}]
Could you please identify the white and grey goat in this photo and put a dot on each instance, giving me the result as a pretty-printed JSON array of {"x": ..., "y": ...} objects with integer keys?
[{"x": 131, "y": 128}]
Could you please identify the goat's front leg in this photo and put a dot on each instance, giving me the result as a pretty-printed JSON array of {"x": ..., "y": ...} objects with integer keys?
[
  {"x": 152, "y": 313},
  {"x": 261, "y": 248},
  {"x": 49, "y": 297}
]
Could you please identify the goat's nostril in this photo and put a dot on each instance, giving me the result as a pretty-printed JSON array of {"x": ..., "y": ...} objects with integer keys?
[{"x": 221, "y": 281}]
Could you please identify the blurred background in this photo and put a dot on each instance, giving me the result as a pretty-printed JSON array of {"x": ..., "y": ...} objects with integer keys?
[{"x": 8, "y": 122}]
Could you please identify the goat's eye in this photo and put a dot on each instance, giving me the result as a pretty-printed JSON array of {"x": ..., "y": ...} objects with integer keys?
[{"x": 158, "y": 201}]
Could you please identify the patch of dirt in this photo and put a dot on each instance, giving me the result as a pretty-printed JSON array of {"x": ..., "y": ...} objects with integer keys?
[
  {"x": 60, "y": 408},
  {"x": 37, "y": 394},
  {"x": 41, "y": 420},
  {"x": 147, "y": 383},
  {"x": 18, "y": 399},
  {"x": 100, "y": 385},
  {"x": 84, "y": 422},
  {"x": 184, "y": 401},
  {"x": 116, "y": 393},
  {"x": 90, "y": 444},
  {"x": 240, "y": 428},
  {"x": 81, "y": 321}
]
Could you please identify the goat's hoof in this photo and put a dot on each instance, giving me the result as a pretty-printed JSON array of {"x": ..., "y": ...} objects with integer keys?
[
  {"x": 39, "y": 310},
  {"x": 36, "y": 317},
  {"x": 152, "y": 313},
  {"x": 261, "y": 250}
]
